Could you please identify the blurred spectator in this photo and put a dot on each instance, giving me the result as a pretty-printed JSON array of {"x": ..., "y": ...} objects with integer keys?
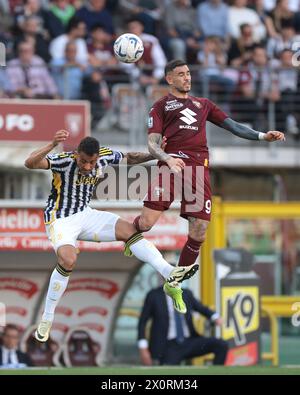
[
  {"x": 173, "y": 336},
  {"x": 58, "y": 16},
  {"x": 63, "y": 10},
  {"x": 101, "y": 54},
  {"x": 286, "y": 40},
  {"x": 282, "y": 14},
  {"x": 75, "y": 32},
  {"x": 95, "y": 12},
  {"x": 240, "y": 50},
  {"x": 112, "y": 5},
  {"x": 150, "y": 69},
  {"x": 68, "y": 73},
  {"x": 240, "y": 14},
  {"x": 269, "y": 5},
  {"x": 29, "y": 76},
  {"x": 288, "y": 108},
  {"x": 7, "y": 39},
  {"x": 148, "y": 11},
  {"x": 6, "y": 19},
  {"x": 213, "y": 61},
  {"x": 11, "y": 6},
  {"x": 182, "y": 29},
  {"x": 10, "y": 355},
  {"x": 212, "y": 16},
  {"x": 5, "y": 88},
  {"x": 264, "y": 17},
  {"x": 100, "y": 47},
  {"x": 30, "y": 8},
  {"x": 30, "y": 31},
  {"x": 95, "y": 89},
  {"x": 257, "y": 86}
]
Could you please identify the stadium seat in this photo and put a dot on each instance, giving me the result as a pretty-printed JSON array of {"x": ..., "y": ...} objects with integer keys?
[
  {"x": 41, "y": 354},
  {"x": 79, "y": 348}
]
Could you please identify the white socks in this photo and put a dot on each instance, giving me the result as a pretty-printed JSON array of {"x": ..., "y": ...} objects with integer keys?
[
  {"x": 57, "y": 286},
  {"x": 146, "y": 251}
]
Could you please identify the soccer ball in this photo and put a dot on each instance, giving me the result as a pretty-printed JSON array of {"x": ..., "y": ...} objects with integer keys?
[{"x": 128, "y": 48}]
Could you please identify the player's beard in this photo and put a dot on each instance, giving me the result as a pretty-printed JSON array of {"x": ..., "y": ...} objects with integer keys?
[{"x": 183, "y": 89}]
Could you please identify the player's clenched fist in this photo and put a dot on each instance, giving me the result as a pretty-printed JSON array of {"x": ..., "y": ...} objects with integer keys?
[
  {"x": 274, "y": 135},
  {"x": 60, "y": 135}
]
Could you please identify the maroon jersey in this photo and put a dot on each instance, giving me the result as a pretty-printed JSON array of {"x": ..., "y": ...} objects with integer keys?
[{"x": 183, "y": 122}]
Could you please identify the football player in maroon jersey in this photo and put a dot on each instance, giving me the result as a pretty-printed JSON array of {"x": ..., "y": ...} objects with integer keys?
[{"x": 181, "y": 119}]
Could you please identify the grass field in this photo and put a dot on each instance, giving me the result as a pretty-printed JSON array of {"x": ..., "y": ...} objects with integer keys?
[{"x": 136, "y": 370}]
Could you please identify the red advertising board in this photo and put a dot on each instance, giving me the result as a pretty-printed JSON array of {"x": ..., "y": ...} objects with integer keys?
[
  {"x": 23, "y": 229},
  {"x": 37, "y": 120}
]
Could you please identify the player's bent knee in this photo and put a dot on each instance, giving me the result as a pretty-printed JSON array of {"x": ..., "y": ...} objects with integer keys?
[
  {"x": 67, "y": 257},
  {"x": 68, "y": 262},
  {"x": 124, "y": 230},
  {"x": 145, "y": 224}
]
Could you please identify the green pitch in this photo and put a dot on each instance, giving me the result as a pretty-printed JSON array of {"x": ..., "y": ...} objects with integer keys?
[{"x": 136, "y": 370}]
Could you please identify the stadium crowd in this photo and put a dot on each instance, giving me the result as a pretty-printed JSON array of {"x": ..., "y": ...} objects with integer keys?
[{"x": 242, "y": 51}]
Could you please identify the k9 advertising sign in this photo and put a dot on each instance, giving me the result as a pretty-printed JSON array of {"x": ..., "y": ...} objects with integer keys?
[
  {"x": 38, "y": 120},
  {"x": 240, "y": 309}
]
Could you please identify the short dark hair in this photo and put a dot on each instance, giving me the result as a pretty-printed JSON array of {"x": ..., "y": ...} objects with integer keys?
[
  {"x": 73, "y": 23},
  {"x": 173, "y": 64},
  {"x": 135, "y": 19},
  {"x": 89, "y": 145},
  {"x": 10, "y": 327}
]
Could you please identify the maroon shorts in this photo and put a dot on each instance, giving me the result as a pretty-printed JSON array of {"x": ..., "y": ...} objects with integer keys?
[{"x": 191, "y": 187}]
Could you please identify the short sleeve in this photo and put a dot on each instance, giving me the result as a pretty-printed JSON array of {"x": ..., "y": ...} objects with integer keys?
[
  {"x": 112, "y": 157},
  {"x": 59, "y": 162},
  {"x": 156, "y": 117},
  {"x": 215, "y": 114}
]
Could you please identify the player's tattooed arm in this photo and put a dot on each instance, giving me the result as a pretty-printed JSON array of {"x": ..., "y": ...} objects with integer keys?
[
  {"x": 133, "y": 158},
  {"x": 245, "y": 132},
  {"x": 37, "y": 159},
  {"x": 155, "y": 143},
  {"x": 154, "y": 147}
]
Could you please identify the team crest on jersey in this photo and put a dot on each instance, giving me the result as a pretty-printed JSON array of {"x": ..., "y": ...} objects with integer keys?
[
  {"x": 172, "y": 105},
  {"x": 197, "y": 104}
]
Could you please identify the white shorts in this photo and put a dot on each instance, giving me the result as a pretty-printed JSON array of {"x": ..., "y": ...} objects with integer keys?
[{"x": 87, "y": 225}]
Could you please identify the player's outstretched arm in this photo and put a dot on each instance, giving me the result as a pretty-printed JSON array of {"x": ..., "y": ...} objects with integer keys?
[
  {"x": 245, "y": 132},
  {"x": 155, "y": 143},
  {"x": 37, "y": 159},
  {"x": 133, "y": 158}
]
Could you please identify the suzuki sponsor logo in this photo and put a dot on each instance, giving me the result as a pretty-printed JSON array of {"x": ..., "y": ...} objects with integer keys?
[
  {"x": 188, "y": 116},
  {"x": 188, "y": 119}
]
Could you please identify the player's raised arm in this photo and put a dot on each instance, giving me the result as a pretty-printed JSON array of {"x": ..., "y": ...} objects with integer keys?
[
  {"x": 245, "y": 132},
  {"x": 37, "y": 159},
  {"x": 154, "y": 146}
]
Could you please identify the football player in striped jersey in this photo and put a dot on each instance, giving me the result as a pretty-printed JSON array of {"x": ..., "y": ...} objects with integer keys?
[{"x": 69, "y": 218}]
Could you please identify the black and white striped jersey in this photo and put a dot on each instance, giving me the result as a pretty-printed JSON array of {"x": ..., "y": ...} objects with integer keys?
[{"x": 71, "y": 191}]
